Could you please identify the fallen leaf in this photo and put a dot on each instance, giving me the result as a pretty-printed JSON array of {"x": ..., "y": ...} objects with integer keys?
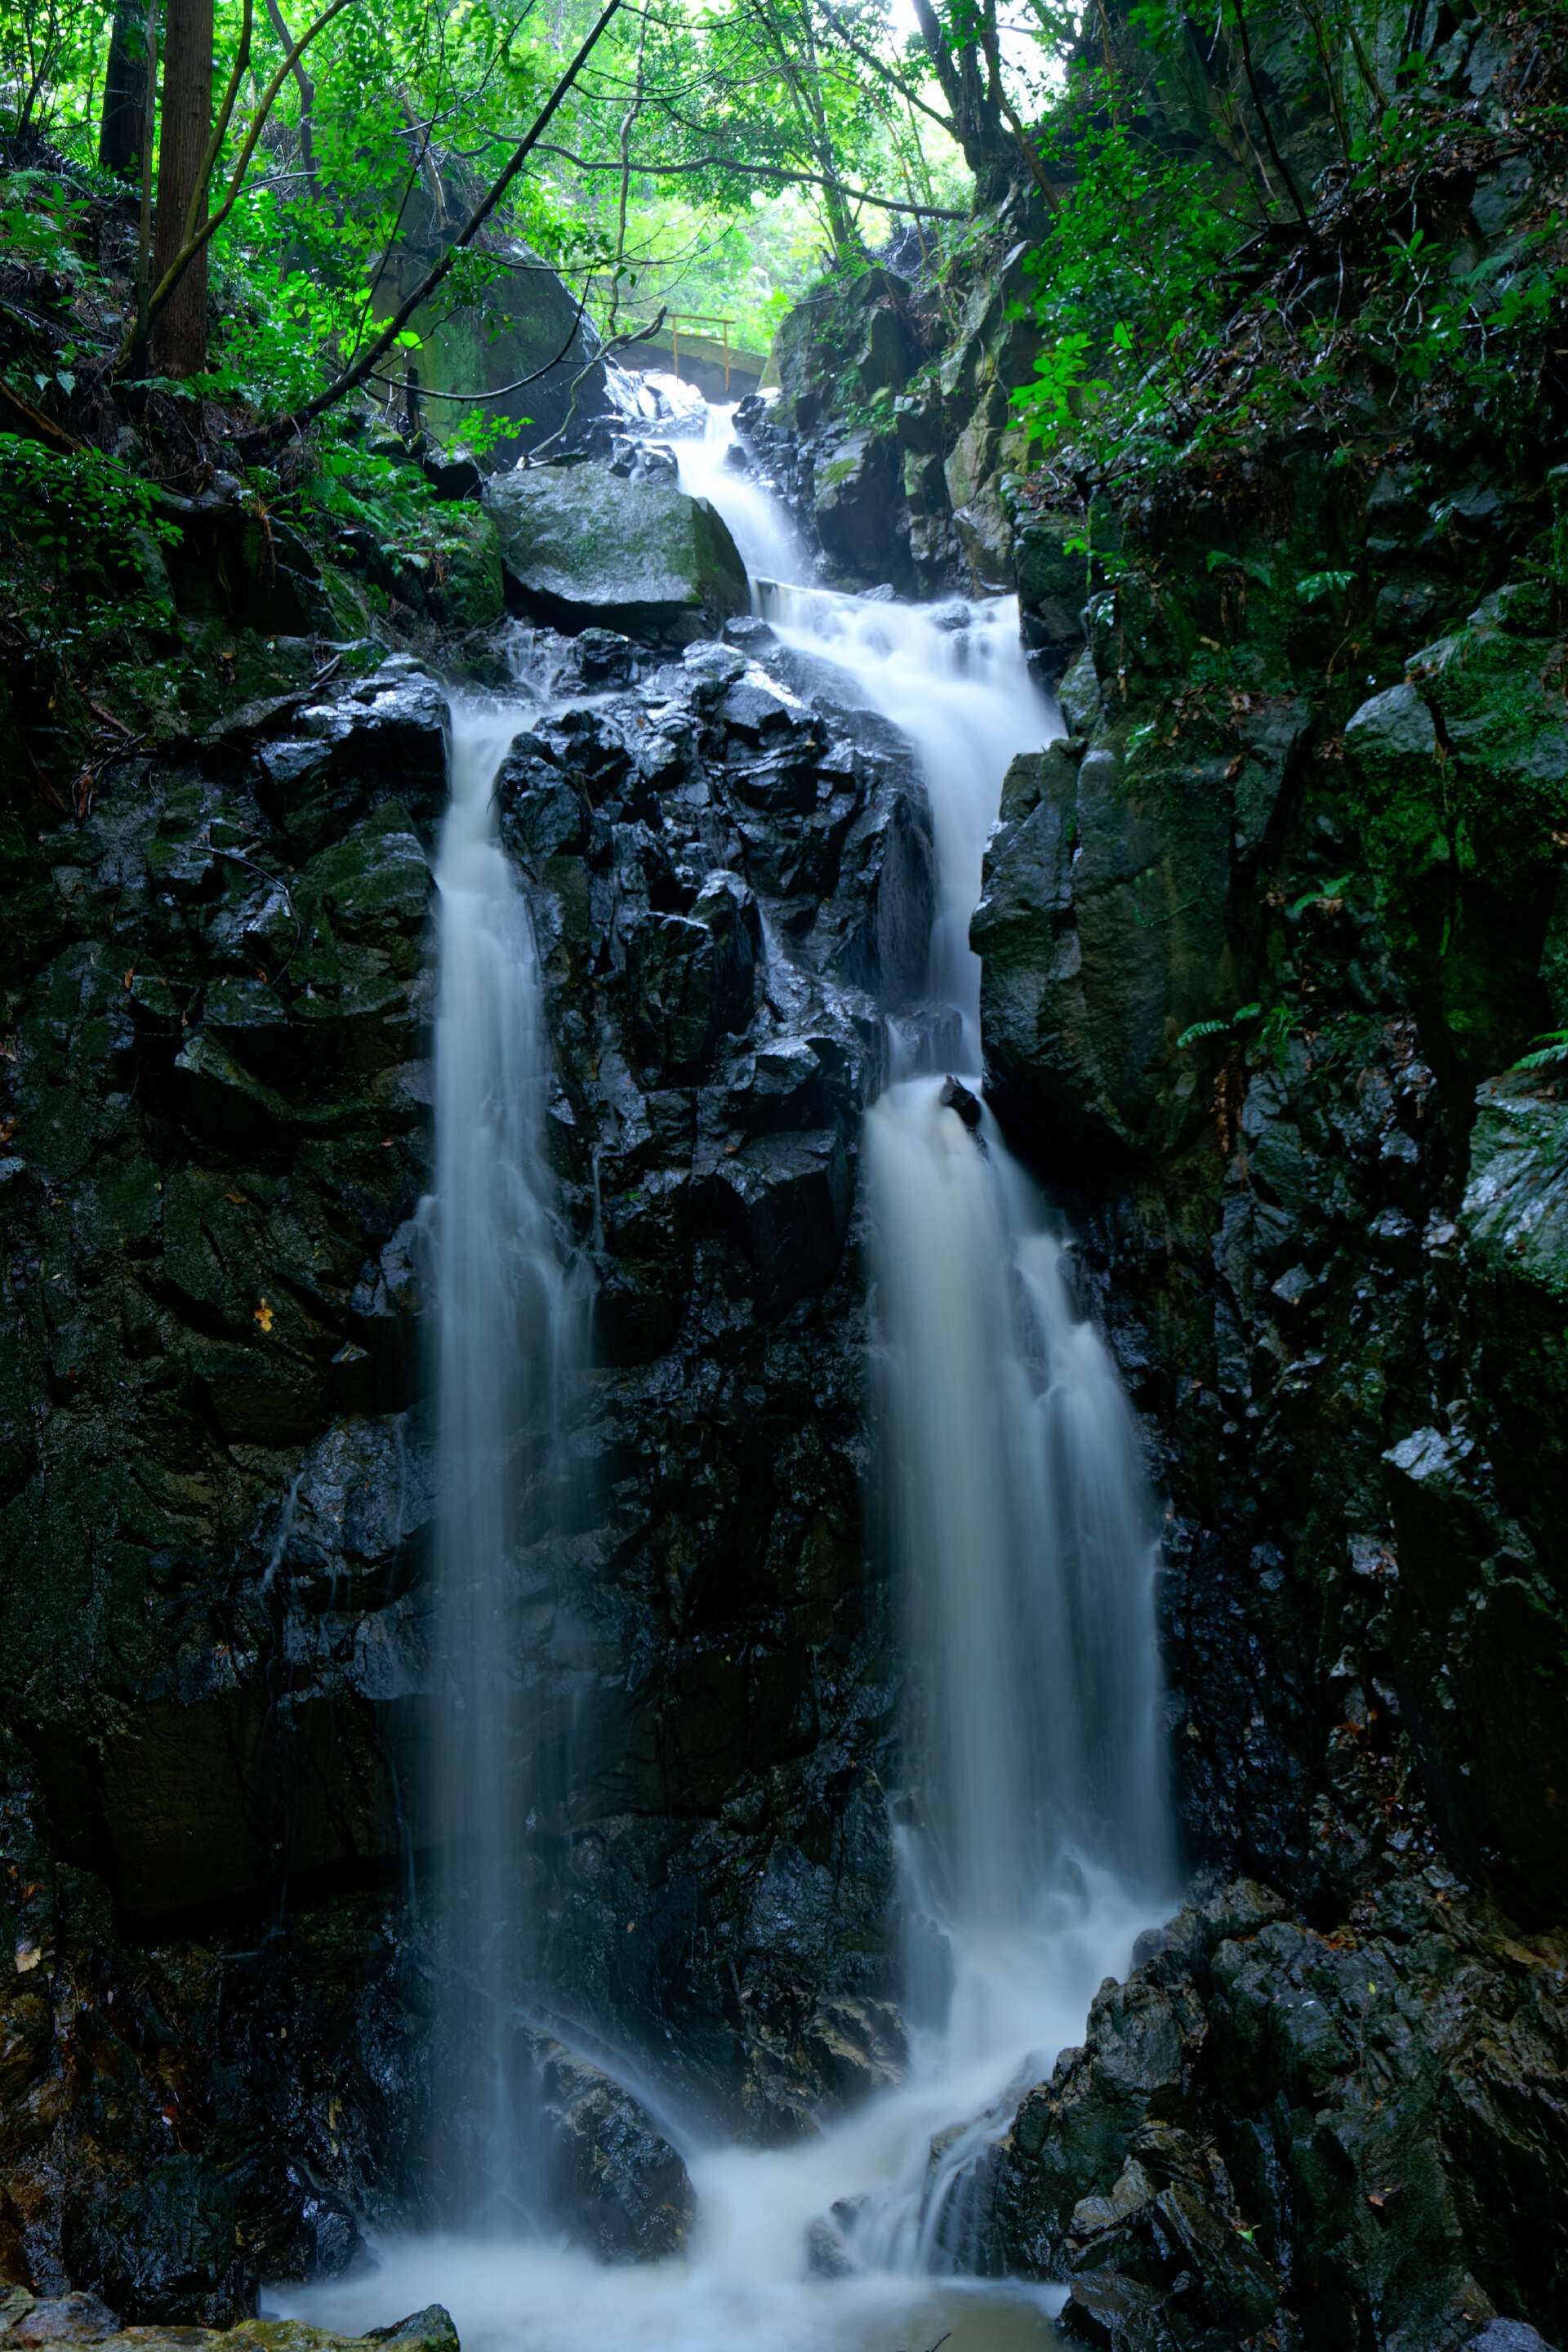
[
  {"x": 264, "y": 1316},
  {"x": 27, "y": 1957}
]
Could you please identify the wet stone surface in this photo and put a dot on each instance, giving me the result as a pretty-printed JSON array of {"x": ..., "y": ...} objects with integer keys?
[{"x": 216, "y": 1465}]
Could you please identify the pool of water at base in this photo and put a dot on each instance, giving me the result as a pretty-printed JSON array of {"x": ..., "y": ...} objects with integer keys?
[{"x": 527, "y": 2297}]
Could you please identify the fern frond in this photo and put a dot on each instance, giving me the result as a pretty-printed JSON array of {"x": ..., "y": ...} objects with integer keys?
[
  {"x": 1202, "y": 1029},
  {"x": 1552, "y": 1047}
]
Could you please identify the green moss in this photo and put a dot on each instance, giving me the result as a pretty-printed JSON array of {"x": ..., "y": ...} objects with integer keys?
[{"x": 1458, "y": 784}]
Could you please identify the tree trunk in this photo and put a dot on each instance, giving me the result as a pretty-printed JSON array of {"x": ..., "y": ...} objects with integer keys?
[
  {"x": 972, "y": 97},
  {"x": 180, "y": 334},
  {"x": 123, "y": 125}
]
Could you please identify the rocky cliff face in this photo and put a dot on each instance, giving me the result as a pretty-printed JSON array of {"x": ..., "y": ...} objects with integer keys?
[
  {"x": 218, "y": 1466},
  {"x": 1325, "y": 1236},
  {"x": 1260, "y": 946}
]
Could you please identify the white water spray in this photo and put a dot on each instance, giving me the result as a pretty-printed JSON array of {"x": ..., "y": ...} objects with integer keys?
[{"x": 1036, "y": 1840}]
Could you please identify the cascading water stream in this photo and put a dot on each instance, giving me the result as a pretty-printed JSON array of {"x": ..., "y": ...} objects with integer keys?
[
  {"x": 1032, "y": 1826},
  {"x": 507, "y": 1340},
  {"x": 1036, "y": 1839},
  {"x": 771, "y": 547}
]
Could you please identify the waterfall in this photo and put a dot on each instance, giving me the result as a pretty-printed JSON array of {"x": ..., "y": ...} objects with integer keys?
[
  {"x": 507, "y": 1340},
  {"x": 1032, "y": 1823},
  {"x": 1035, "y": 1836},
  {"x": 771, "y": 547}
]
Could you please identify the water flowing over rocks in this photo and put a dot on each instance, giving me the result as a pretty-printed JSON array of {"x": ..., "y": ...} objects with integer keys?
[{"x": 1259, "y": 962}]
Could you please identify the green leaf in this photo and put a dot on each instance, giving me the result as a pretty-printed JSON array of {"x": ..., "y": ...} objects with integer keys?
[
  {"x": 1548, "y": 1051},
  {"x": 1318, "y": 585}
]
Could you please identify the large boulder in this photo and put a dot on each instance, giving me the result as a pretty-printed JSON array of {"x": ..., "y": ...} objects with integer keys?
[
  {"x": 580, "y": 546},
  {"x": 529, "y": 332},
  {"x": 617, "y": 2182}
]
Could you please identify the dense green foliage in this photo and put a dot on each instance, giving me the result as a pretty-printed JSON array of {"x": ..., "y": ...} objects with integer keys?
[{"x": 1192, "y": 304}]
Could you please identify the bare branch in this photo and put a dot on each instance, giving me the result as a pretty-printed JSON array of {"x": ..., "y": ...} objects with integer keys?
[
  {"x": 503, "y": 391},
  {"x": 879, "y": 65},
  {"x": 383, "y": 343}
]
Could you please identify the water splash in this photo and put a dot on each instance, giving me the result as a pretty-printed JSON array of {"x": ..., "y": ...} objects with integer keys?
[{"x": 953, "y": 678}]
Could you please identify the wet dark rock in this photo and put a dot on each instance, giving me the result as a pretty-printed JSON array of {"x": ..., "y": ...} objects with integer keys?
[
  {"x": 453, "y": 474},
  {"x": 163, "y": 2246},
  {"x": 583, "y": 548},
  {"x": 386, "y": 739},
  {"x": 786, "y": 1200},
  {"x": 1299, "y": 2142},
  {"x": 956, "y": 1095},
  {"x": 603, "y": 657},
  {"x": 857, "y": 507},
  {"x": 616, "y": 2182},
  {"x": 857, "y": 2047}
]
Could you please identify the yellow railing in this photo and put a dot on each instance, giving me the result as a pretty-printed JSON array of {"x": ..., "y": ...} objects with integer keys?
[{"x": 696, "y": 318}]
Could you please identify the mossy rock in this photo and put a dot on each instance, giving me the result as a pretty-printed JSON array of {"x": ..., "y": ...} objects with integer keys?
[
  {"x": 468, "y": 591},
  {"x": 582, "y": 548},
  {"x": 1458, "y": 784},
  {"x": 29, "y": 2321}
]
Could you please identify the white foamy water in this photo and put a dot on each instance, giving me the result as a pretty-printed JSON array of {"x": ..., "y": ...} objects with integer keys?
[
  {"x": 771, "y": 547},
  {"x": 521, "y": 2298},
  {"x": 507, "y": 1324},
  {"x": 953, "y": 676},
  {"x": 1031, "y": 1825},
  {"x": 1035, "y": 1836}
]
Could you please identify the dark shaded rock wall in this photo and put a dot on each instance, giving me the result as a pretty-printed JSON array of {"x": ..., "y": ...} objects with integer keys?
[
  {"x": 218, "y": 1471},
  {"x": 1261, "y": 948}
]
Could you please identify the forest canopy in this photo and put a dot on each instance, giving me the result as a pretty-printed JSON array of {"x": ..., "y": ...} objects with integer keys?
[{"x": 705, "y": 157}]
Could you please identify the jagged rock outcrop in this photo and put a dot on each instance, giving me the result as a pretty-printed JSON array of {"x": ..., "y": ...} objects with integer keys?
[
  {"x": 616, "y": 2182},
  {"x": 1271, "y": 2128},
  {"x": 218, "y": 1475}
]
